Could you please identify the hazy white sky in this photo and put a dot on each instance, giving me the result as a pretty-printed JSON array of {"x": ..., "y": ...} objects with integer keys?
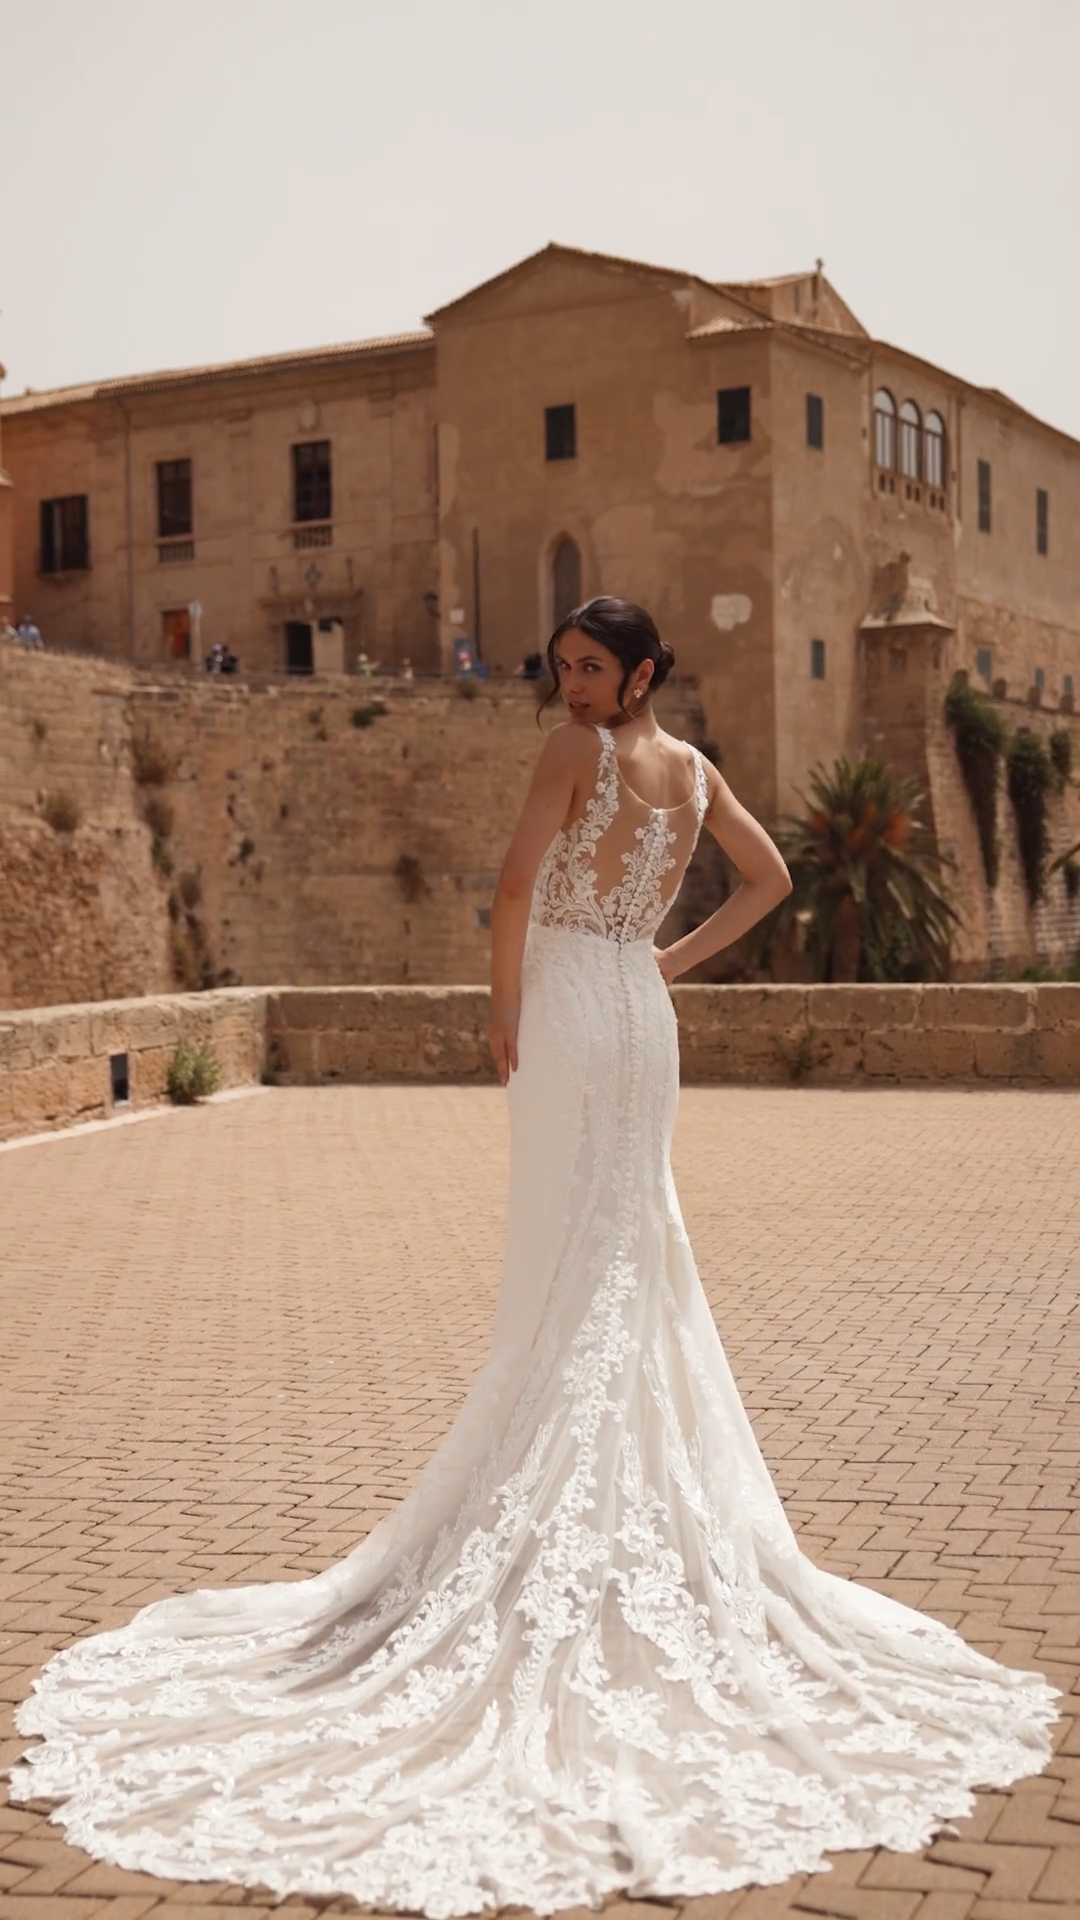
[{"x": 210, "y": 179}]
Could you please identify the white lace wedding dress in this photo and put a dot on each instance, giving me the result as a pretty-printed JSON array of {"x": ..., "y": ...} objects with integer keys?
[{"x": 586, "y": 1653}]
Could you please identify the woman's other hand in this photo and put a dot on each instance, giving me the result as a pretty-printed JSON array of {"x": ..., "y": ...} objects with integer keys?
[{"x": 503, "y": 1037}]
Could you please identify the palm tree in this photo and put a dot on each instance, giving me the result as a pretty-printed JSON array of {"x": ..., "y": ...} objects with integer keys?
[{"x": 868, "y": 883}]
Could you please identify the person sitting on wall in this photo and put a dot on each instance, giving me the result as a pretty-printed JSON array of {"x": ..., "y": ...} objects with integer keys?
[
  {"x": 215, "y": 659},
  {"x": 531, "y": 667},
  {"x": 28, "y": 635},
  {"x": 229, "y": 661}
]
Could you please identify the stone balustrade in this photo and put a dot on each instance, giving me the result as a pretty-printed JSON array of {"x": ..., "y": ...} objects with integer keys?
[{"x": 55, "y": 1062}]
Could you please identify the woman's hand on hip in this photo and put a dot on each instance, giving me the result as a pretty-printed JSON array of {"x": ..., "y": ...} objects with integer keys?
[
  {"x": 503, "y": 1037},
  {"x": 666, "y": 962}
]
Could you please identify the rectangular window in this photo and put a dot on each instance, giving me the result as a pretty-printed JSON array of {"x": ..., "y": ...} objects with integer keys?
[
  {"x": 984, "y": 664},
  {"x": 1040, "y": 678},
  {"x": 984, "y": 496},
  {"x": 815, "y": 420},
  {"x": 1067, "y": 685},
  {"x": 174, "y": 499},
  {"x": 560, "y": 433},
  {"x": 312, "y": 492},
  {"x": 817, "y": 659},
  {"x": 1042, "y": 520},
  {"x": 65, "y": 533},
  {"x": 732, "y": 415}
]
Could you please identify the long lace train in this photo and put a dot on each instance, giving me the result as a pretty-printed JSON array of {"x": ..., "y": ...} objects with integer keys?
[{"x": 586, "y": 1653}]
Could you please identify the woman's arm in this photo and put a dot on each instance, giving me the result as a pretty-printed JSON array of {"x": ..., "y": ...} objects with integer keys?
[
  {"x": 765, "y": 881},
  {"x": 569, "y": 756}
]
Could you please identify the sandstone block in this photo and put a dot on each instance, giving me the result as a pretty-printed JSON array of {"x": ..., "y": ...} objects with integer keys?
[
  {"x": 978, "y": 1006},
  {"x": 866, "y": 1007},
  {"x": 1057, "y": 1004},
  {"x": 296, "y": 1051},
  {"x": 1008, "y": 1056},
  {"x": 61, "y": 1034},
  {"x": 150, "y": 1075},
  {"x": 933, "y": 1055},
  {"x": 1058, "y": 1055},
  {"x": 311, "y": 1009},
  {"x": 740, "y": 1009}
]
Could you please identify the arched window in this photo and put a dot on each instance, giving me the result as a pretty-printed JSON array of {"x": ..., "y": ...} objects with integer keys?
[
  {"x": 884, "y": 428},
  {"x": 565, "y": 580},
  {"x": 910, "y": 436},
  {"x": 934, "y": 451}
]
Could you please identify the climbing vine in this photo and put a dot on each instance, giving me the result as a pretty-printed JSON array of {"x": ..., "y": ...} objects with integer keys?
[
  {"x": 1030, "y": 773},
  {"x": 982, "y": 737},
  {"x": 1061, "y": 757}
]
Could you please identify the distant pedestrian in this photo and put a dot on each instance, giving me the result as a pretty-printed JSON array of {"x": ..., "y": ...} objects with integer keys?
[
  {"x": 407, "y": 669},
  {"x": 531, "y": 667},
  {"x": 363, "y": 666},
  {"x": 28, "y": 635},
  {"x": 215, "y": 659}
]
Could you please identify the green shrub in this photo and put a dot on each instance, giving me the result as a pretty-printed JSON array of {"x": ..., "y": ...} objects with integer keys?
[
  {"x": 363, "y": 716},
  {"x": 161, "y": 856},
  {"x": 150, "y": 763},
  {"x": 158, "y": 814},
  {"x": 1030, "y": 773},
  {"x": 410, "y": 877},
  {"x": 62, "y": 812},
  {"x": 982, "y": 735},
  {"x": 194, "y": 1073},
  {"x": 1061, "y": 757}
]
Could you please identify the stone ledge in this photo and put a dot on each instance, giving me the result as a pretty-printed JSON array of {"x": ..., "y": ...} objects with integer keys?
[{"x": 54, "y": 1061}]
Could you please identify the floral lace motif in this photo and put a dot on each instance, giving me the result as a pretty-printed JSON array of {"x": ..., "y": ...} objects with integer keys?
[
  {"x": 566, "y": 893},
  {"x": 585, "y": 1654}
]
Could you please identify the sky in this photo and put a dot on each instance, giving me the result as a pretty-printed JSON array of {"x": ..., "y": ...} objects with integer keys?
[{"x": 212, "y": 179}]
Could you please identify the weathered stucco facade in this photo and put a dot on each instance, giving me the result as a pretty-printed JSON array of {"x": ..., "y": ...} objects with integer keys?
[
  {"x": 7, "y": 535},
  {"x": 826, "y": 527}
]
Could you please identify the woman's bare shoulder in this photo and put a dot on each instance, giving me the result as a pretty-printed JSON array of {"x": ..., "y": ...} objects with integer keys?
[{"x": 571, "y": 745}]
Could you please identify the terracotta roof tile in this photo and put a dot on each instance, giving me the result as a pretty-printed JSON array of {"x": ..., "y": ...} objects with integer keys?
[{"x": 32, "y": 402}]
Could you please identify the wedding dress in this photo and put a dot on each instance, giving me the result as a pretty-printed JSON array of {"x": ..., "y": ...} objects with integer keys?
[{"x": 585, "y": 1654}]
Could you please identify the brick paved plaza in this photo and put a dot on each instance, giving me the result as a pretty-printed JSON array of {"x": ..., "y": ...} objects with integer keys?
[{"x": 232, "y": 1335}]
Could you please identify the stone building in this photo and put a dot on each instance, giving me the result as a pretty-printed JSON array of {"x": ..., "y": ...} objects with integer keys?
[
  {"x": 825, "y": 525},
  {"x": 7, "y": 539}
]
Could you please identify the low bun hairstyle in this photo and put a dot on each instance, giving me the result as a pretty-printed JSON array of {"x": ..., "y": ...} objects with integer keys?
[{"x": 625, "y": 630}]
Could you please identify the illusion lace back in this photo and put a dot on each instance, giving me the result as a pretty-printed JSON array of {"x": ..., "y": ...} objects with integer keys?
[{"x": 585, "y": 1654}]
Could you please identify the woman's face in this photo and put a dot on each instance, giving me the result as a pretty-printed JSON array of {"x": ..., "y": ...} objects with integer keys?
[{"x": 589, "y": 676}]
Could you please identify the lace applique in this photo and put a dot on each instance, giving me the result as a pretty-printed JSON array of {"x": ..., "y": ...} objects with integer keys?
[
  {"x": 566, "y": 883},
  {"x": 568, "y": 893}
]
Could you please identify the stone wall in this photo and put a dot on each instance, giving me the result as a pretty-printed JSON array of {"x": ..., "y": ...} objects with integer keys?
[
  {"x": 54, "y": 1061},
  {"x": 248, "y": 831},
  {"x": 82, "y": 914}
]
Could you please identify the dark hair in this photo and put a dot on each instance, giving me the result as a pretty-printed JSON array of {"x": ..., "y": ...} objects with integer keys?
[{"x": 625, "y": 630}]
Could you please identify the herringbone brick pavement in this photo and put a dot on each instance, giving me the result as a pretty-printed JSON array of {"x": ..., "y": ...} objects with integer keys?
[{"x": 231, "y": 1336}]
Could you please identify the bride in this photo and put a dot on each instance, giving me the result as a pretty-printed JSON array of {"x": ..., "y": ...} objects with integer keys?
[{"x": 585, "y": 1654}]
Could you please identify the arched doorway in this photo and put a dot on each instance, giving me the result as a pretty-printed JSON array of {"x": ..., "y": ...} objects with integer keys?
[{"x": 565, "y": 579}]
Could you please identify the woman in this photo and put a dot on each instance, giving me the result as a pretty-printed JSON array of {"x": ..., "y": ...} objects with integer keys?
[{"x": 585, "y": 1654}]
